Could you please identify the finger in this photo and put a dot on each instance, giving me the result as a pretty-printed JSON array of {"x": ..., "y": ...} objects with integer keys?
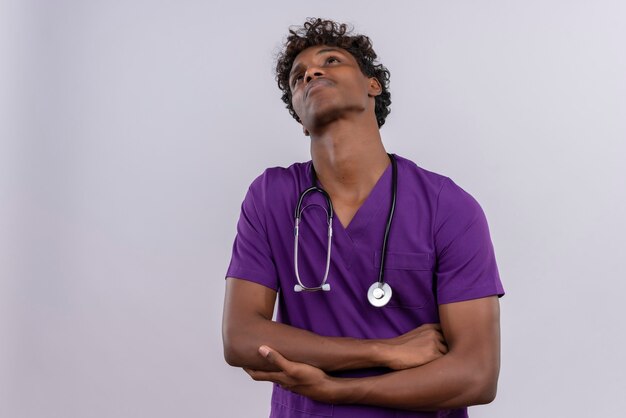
[
  {"x": 259, "y": 375},
  {"x": 442, "y": 348},
  {"x": 275, "y": 357}
]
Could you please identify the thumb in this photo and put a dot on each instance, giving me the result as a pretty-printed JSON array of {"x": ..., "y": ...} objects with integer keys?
[{"x": 273, "y": 356}]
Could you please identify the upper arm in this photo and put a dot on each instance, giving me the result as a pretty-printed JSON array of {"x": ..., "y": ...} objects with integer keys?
[
  {"x": 251, "y": 278},
  {"x": 472, "y": 330},
  {"x": 466, "y": 260},
  {"x": 244, "y": 303},
  {"x": 468, "y": 286},
  {"x": 245, "y": 299},
  {"x": 252, "y": 258}
]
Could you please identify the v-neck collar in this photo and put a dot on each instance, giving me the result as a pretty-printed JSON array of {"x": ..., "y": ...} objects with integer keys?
[{"x": 378, "y": 198}]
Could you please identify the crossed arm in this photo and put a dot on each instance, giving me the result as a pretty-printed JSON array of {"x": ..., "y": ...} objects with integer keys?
[{"x": 428, "y": 374}]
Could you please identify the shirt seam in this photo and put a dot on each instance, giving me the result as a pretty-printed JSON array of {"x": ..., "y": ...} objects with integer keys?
[{"x": 434, "y": 224}]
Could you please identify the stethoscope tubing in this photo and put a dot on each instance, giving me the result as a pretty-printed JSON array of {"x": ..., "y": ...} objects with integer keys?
[
  {"x": 298, "y": 218},
  {"x": 379, "y": 287},
  {"x": 394, "y": 185}
]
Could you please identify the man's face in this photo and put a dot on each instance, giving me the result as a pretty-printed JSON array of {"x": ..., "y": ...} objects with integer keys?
[{"x": 327, "y": 84}]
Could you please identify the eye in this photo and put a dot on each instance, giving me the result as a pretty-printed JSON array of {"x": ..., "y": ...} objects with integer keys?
[
  {"x": 297, "y": 78},
  {"x": 331, "y": 59}
]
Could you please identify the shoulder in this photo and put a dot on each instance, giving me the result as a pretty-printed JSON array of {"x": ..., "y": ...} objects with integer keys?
[
  {"x": 415, "y": 179},
  {"x": 277, "y": 181},
  {"x": 408, "y": 167},
  {"x": 279, "y": 176},
  {"x": 446, "y": 195}
]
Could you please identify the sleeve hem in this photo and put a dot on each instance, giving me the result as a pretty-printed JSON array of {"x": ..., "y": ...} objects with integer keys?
[
  {"x": 252, "y": 276},
  {"x": 472, "y": 293}
]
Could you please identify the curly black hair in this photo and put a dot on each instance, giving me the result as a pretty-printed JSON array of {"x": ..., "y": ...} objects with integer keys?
[{"x": 316, "y": 31}]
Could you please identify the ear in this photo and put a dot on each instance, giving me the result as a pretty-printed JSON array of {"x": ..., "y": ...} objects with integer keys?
[{"x": 374, "y": 88}]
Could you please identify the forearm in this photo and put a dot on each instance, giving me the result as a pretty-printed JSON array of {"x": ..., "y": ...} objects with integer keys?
[
  {"x": 446, "y": 383},
  {"x": 466, "y": 375},
  {"x": 247, "y": 325},
  {"x": 241, "y": 343}
]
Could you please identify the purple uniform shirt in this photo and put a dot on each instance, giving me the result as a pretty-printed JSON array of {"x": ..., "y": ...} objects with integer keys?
[{"x": 439, "y": 251}]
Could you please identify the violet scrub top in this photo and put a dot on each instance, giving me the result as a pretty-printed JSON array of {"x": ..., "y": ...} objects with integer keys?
[{"x": 439, "y": 251}]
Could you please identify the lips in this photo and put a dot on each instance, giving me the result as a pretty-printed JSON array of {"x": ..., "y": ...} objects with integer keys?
[{"x": 317, "y": 83}]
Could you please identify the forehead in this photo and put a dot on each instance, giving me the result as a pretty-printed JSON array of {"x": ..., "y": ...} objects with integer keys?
[{"x": 313, "y": 51}]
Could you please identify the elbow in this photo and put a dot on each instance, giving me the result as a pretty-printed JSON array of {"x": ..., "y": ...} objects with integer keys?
[
  {"x": 485, "y": 387},
  {"x": 231, "y": 356},
  {"x": 241, "y": 339},
  {"x": 233, "y": 344},
  {"x": 486, "y": 395}
]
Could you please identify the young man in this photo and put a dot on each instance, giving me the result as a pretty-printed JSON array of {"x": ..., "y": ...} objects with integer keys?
[{"x": 418, "y": 337}]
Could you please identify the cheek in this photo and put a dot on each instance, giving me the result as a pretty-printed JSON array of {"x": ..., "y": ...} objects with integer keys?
[{"x": 296, "y": 103}]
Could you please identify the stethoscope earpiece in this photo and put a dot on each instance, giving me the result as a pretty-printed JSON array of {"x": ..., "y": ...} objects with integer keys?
[{"x": 325, "y": 287}]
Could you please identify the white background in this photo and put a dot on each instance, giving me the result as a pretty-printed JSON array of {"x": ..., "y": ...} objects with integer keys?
[{"x": 130, "y": 131}]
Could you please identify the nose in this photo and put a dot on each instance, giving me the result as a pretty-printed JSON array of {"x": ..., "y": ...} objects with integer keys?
[{"x": 311, "y": 73}]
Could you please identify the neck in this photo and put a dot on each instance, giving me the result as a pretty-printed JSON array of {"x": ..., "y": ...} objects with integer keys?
[{"x": 348, "y": 159}]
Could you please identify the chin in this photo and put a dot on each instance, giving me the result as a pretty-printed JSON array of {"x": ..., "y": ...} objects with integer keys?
[{"x": 323, "y": 117}]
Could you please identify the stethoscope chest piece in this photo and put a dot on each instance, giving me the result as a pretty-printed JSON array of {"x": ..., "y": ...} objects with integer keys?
[{"x": 379, "y": 294}]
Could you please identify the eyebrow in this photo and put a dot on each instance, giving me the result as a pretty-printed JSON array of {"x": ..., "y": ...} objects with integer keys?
[{"x": 321, "y": 51}]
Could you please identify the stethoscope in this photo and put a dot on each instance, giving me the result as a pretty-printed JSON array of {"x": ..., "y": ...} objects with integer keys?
[{"x": 379, "y": 292}]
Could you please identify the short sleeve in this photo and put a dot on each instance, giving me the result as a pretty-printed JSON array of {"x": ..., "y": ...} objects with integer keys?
[
  {"x": 466, "y": 264},
  {"x": 252, "y": 257}
]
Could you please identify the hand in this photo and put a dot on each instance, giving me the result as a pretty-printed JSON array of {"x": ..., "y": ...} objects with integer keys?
[
  {"x": 297, "y": 377},
  {"x": 415, "y": 348}
]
